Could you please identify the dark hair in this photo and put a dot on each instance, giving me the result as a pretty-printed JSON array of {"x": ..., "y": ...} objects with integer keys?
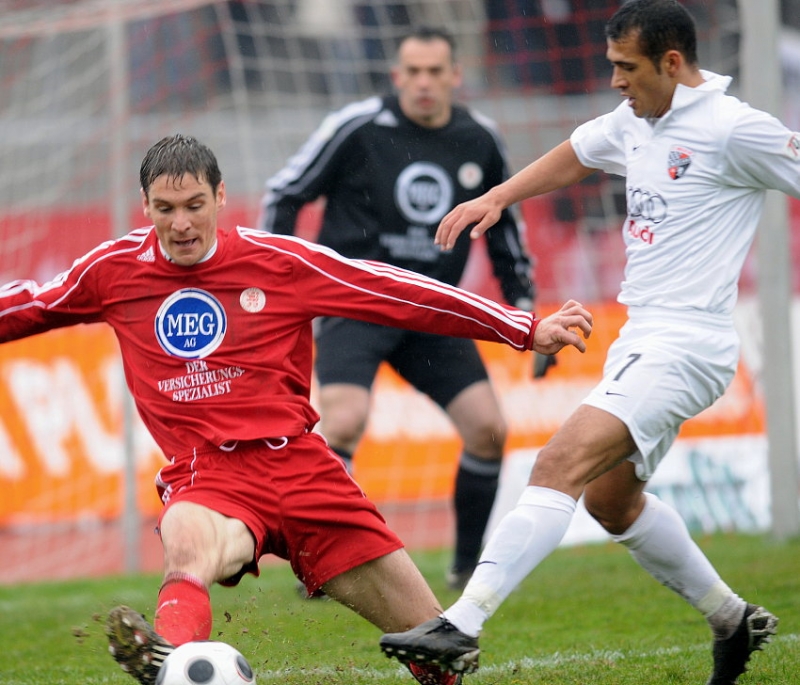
[
  {"x": 430, "y": 33},
  {"x": 177, "y": 155},
  {"x": 662, "y": 25}
]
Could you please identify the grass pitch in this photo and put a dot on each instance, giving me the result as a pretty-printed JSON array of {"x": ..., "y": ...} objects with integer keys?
[{"x": 587, "y": 615}]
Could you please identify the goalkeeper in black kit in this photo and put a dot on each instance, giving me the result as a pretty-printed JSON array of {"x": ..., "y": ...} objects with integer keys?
[{"x": 389, "y": 169}]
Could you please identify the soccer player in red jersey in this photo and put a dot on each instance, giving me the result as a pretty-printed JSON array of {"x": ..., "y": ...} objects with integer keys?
[{"x": 214, "y": 328}]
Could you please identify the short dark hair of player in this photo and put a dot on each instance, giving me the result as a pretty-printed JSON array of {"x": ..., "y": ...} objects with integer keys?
[
  {"x": 662, "y": 25},
  {"x": 176, "y": 156},
  {"x": 429, "y": 33}
]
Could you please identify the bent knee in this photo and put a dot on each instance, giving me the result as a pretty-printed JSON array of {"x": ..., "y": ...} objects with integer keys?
[
  {"x": 344, "y": 412},
  {"x": 484, "y": 437},
  {"x": 615, "y": 517},
  {"x": 203, "y": 542}
]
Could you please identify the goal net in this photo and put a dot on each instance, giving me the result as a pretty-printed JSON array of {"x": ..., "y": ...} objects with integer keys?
[{"x": 88, "y": 85}]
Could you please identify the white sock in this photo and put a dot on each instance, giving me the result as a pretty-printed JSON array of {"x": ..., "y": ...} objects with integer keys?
[
  {"x": 660, "y": 543},
  {"x": 525, "y": 536}
]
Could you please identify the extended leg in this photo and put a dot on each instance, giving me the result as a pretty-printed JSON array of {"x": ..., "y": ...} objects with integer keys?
[
  {"x": 659, "y": 541},
  {"x": 391, "y": 593},
  {"x": 589, "y": 443},
  {"x": 475, "y": 413},
  {"x": 200, "y": 547}
]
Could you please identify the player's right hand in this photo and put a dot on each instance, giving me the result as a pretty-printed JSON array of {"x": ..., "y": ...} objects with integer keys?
[
  {"x": 558, "y": 330},
  {"x": 478, "y": 214}
]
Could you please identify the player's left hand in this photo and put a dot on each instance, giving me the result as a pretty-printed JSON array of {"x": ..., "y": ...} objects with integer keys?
[{"x": 557, "y": 330}]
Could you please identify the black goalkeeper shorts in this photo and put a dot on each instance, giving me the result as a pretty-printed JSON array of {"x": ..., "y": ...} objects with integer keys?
[{"x": 349, "y": 351}]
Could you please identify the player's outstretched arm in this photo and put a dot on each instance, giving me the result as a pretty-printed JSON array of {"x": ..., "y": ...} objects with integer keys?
[
  {"x": 562, "y": 328},
  {"x": 556, "y": 169}
]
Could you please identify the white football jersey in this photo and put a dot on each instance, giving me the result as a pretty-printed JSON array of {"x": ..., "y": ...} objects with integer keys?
[{"x": 695, "y": 186}]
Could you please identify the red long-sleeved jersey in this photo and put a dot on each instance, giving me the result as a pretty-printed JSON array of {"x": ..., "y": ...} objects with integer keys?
[{"x": 222, "y": 350}]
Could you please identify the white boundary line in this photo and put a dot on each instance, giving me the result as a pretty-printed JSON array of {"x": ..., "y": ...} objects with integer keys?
[{"x": 524, "y": 664}]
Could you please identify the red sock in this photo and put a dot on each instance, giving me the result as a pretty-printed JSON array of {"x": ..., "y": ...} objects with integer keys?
[{"x": 184, "y": 609}]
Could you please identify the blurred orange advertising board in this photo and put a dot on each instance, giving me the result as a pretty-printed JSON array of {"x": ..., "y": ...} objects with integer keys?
[
  {"x": 411, "y": 452},
  {"x": 62, "y": 440}
]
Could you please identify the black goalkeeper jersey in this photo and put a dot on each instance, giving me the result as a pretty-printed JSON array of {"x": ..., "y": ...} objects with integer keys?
[{"x": 388, "y": 182}]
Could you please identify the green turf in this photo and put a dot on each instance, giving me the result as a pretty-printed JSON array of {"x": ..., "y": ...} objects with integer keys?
[{"x": 587, "y": 615}]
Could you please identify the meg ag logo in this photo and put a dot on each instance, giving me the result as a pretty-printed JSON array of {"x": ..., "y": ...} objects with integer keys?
[{"x": 190, "y": 324}]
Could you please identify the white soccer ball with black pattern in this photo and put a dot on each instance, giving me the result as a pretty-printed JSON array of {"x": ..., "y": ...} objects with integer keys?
[{"x": 205, "y": 663}]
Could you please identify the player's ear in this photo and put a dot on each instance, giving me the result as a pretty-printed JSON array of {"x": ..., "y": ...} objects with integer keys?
[
  {"x": 222, "y": 196},
  {"x": 672, "y": 62},
  {"x": 145, "y": 203}
]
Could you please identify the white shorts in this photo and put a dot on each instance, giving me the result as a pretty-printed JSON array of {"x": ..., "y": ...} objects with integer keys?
[{"x": 666, "y": 367}]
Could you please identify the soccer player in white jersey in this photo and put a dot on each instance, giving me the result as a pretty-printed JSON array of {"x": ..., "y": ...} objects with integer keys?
[{"x": 697, "y": 163}]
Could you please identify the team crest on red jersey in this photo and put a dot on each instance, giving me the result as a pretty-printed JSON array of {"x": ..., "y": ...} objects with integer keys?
[
  {"x": 252, "y": 300},
  {"x": 679, "y": 161}
]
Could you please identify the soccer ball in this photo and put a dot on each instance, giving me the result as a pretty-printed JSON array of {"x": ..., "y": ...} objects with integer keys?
[{"x": 205, "y": 663}]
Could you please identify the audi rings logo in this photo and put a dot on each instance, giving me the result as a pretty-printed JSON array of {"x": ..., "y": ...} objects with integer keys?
[
  {"x": 190, "y": 324},
  {"x": 646, "y": 206}
]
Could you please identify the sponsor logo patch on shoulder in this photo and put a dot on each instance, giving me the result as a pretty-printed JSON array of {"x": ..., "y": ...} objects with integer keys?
[
  {"x": 190, "y": 324},
  {"x": 680, "y": 158},
  {"x": 792, "y": 148}
]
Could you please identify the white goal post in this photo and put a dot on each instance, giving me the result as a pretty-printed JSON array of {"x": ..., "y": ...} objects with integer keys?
[{"x": 761, "y": 81}]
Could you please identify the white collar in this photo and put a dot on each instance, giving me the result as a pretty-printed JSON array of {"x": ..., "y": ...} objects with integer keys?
[
  {"x": 687, "y": 95},
  {"x": 208, "y": 255}
]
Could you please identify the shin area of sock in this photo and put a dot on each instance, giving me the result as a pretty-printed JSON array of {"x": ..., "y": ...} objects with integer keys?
[{"x": 184, "y": 610}]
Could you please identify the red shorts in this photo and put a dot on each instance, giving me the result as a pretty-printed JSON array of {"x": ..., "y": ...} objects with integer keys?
[{"x": 296, "y": 498}]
